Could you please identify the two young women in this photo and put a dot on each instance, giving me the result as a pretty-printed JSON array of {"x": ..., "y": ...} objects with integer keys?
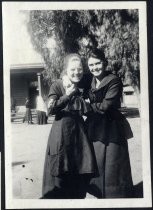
[{"x": 90, "y": 156}]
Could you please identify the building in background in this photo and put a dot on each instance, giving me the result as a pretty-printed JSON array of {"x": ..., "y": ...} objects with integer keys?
[
  {"x": 26, "y": 64},
  {"x": 24, "y": 82}
]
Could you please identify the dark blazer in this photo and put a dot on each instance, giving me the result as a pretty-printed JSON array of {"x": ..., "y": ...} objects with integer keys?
[
  {"x": 68, "y": 150},
  {"x": 106, "y": 123}
]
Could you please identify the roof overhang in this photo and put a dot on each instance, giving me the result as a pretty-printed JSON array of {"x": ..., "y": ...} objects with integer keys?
[{"x": 26, "y": 68}]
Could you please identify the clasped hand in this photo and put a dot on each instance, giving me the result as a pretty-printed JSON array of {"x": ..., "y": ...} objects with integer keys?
[{"x": 87, "y": 100}]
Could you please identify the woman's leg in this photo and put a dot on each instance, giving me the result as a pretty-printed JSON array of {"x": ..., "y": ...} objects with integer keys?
[
  {"x": 43, "y": 117},
  {"x": 29, "y": 115},
  {"x": 38, "y": 117}
]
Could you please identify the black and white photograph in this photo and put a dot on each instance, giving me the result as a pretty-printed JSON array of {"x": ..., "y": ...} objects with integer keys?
[{"x": 76, "y": 105}]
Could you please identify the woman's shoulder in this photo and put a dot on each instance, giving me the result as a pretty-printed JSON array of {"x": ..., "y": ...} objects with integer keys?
[
  {"x": 57, "y": 83},
  {"x": 111, "y": 75},
  {"x": 111, "y": 78},
  {"x": 57, "y": 87}
]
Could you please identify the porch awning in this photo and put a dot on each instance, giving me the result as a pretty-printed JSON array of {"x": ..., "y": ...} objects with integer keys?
[{"x": 26, "y": 68}]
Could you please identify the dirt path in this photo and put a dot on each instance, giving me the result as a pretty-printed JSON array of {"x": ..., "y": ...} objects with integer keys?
[{"x": 28, "y": 152}]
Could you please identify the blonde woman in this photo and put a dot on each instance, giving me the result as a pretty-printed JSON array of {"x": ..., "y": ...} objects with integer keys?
[{"x": 70, "y": 160}]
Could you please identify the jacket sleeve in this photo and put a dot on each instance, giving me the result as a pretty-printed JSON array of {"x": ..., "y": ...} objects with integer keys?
[
  {"x": 57, "y": 102},
  {"x": 111, "y": 99}
]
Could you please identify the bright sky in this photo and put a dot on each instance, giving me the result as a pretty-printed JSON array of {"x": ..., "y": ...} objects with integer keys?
[{"x": 22, "y": 51}]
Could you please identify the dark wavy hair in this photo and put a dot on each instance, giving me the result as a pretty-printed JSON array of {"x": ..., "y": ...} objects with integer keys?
[{"x": 97, "y": 53}]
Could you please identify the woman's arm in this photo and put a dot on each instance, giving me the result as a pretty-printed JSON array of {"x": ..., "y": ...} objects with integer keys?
[
  {"x": 111, "y": 99},
  {"x": 56, "y": 102}
]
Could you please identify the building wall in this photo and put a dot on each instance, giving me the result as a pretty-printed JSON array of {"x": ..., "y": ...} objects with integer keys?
[
  {"x": 19, "y": 89},
  {"x": 24, "y": 84}
]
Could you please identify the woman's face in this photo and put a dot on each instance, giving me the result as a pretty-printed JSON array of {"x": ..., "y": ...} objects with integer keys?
[
  {"x": 74, "y": 70},
  {"x": 96, "y": 66}
]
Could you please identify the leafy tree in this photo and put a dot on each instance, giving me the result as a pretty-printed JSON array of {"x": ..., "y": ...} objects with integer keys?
[{"x": 116, "y": 31}]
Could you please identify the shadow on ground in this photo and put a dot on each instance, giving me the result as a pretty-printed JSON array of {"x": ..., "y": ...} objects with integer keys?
[
  {"x": 34, "y": 120},
  {"x": 138, "y": 190},
  {"x": 19, "y": 163},
  {"x": 138, "y": 193},
  {"x": 131, "y": 112}
]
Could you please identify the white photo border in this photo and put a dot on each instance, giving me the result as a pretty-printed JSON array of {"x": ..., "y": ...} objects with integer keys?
[{"x": 146, "y": 201}]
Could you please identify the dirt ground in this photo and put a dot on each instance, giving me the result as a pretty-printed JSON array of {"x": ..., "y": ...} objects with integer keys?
[{"x": 28, "y": 152}]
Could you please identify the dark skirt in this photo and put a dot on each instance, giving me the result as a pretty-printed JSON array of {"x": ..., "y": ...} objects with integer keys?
[
  {"x": 65, "y": 186},
  {"x": 115, "y": 180},
  {"x": 70, "y": 161},
  {"x": 41, "y": 117},
  {"x": 28, "y": 116}
]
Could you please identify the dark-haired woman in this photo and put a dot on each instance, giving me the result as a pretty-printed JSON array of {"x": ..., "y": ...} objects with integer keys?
[{"x": 109, "y": 131}]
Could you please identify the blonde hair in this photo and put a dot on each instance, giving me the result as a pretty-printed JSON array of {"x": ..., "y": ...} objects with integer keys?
[{"x": 67, "y": 59}]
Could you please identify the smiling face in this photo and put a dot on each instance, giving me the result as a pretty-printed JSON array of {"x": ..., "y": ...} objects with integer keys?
[
  {"x": 74, "y": 70},
  {"x": 96, "y": 66}
]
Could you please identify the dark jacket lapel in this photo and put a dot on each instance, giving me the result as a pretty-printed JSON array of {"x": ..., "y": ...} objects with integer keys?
[{"x": 108, "y": 77}]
